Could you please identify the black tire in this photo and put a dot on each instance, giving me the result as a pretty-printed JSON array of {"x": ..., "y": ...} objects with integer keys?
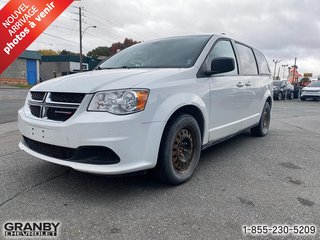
[
  {"x": 262, "y": 128},
  {"x": 302, "y": 99},
  {"x": 291, "y": 96},
  {"x": 279, "y": 96},
  {"x": 180, "y": 150}
]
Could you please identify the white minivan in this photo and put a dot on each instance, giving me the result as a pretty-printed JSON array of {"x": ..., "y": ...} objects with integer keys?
[{"x": 154, "y": 105}]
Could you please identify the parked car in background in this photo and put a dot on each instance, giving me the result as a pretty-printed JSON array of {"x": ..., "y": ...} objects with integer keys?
[
  {"x": 282, "y": 89},
  {"x": 312, "y": 91}
]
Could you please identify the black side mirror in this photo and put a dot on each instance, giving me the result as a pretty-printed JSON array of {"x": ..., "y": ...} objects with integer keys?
[{"x": 221, "y": 65}]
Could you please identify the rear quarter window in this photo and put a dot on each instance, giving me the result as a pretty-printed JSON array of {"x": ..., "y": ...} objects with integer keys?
[
  {"x": 262, "y": 63},
  {"x": 248, "y": 65}
]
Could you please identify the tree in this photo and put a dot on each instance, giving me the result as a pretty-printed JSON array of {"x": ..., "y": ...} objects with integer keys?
[
  {"x": 66, "y": 52},
  {"x": 115, "y": 47},
  {"x": 99, "y": 51},
  {"x": 47, "y": 52}
]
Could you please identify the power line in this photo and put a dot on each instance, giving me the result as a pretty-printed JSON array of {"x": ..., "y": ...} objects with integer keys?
[
  {"x": 71, "y": 29},
  {"x": 57, "y": 44},
  {"x": 97, "y": 37},
  {"x": 117, "y": 35},
  {"x": 91, "y": 34},
  {"x": 112, "y": 23},
  {"x": 59, "y": 38}
]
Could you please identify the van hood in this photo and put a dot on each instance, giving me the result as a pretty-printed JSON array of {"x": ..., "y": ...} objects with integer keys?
[{"x": 90, "y": 82}]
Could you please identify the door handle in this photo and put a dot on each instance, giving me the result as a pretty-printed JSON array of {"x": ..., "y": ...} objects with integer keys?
[
  {"x": 248, "y": 84},
  {"x": 240, "y": 84}
]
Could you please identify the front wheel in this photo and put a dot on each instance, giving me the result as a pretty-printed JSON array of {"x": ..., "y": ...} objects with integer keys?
[
  {"x": 179, "y": 151},
  {"x": 263, "y": 127},
  {"x": 279, "y": 96}
]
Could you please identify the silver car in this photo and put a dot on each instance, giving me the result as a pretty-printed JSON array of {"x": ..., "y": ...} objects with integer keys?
[{"x": 312, "y": 91}]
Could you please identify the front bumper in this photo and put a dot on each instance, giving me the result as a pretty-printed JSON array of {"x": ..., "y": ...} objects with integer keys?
[
  {"x": 309, "y": 94},
  {"x": 135, "y": 142}
]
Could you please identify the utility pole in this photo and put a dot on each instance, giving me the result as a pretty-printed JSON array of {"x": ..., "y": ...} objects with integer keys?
[
  {"x": 275, "y": 67},
  {"x": 294, "y": 76},
  {"x": 80, "y": 32},
  {"x": 294, "y": 72}
]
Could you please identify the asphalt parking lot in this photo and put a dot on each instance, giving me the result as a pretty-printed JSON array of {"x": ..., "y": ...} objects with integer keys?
[
  {"x": 243, "y": 181},
  {"x": 11, "y": 100}
]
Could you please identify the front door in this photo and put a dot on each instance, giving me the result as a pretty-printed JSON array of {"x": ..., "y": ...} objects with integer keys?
[{"x": 227, "y": 102}]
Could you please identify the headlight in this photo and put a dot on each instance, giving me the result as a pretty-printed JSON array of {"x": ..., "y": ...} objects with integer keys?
[{"x": 120, "y": 102}]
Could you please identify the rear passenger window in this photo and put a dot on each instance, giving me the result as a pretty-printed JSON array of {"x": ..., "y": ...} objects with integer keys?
[
  {"x": 247, "y": 61},
  {"x": 223, "y": 48},
  {"x": 262, "y": 63}
]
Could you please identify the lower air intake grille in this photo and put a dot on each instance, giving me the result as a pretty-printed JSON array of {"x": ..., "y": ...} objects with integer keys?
[
  {"x": 50, "y": 150},
  {"x": 97, "y": 155}
]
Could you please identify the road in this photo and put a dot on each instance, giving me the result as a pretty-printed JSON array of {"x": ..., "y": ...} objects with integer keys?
[
  {"x": 10, "y": 101},
  {"x": 243, "y": 181}
]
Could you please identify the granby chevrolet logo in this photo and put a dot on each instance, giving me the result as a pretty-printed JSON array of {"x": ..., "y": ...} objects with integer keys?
[
  {"x": 30, "y": 229},
  {"x": 22, "y": 21}
]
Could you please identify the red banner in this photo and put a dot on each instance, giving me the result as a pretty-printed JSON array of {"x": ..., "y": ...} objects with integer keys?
[{"x": 21, "y": 22}]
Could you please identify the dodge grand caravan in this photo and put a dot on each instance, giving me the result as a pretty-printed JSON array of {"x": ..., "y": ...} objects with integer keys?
[{"x": 154, "y": 105}]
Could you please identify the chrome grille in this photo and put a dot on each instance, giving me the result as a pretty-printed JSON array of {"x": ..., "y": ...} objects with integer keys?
[
  {"x": 60, "y": 114},
  {"x": 54, "y": 106}
]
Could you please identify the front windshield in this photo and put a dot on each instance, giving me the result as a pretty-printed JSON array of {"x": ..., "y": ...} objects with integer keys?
[
  {"x": 314, "y": 84},
  {"x": 178, "y": 52}
]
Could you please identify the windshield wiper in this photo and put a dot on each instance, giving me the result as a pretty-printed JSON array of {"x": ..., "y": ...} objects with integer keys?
[
  {"x": 100, "y": 68},
  {"x": 122, "y": 67}
]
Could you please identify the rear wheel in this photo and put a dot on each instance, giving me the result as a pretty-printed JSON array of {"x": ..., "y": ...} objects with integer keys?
[
  {"x": 263, "y": 127},
  {"x": 302, "y": 99},
  {"x": 179, "y": 151}
]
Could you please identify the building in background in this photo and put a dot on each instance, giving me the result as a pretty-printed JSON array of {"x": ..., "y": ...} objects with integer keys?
[
  {"x": 24, "y": 70},
  {"x": 60, "y": 65}
]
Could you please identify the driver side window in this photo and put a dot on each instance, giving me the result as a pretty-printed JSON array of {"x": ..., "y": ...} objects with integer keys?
[{"x": 222, "y": 48}]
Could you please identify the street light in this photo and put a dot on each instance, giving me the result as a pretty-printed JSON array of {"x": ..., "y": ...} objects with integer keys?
[
  {"x": 81, "y": 36},
  {"x": 284, "y": 69},
  {"x": 275, "y": 67}
]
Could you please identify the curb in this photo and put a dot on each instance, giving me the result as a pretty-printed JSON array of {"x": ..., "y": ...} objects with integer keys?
[{"x": 7, "y": 87}]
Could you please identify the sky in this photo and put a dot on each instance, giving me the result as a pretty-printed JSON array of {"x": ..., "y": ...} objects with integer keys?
[{"x": 280, "y": 29}]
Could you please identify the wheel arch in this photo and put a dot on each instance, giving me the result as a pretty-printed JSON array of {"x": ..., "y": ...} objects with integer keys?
[
  {"x": 269, "y": 100},
  {"x": 192, "y": 110}
]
